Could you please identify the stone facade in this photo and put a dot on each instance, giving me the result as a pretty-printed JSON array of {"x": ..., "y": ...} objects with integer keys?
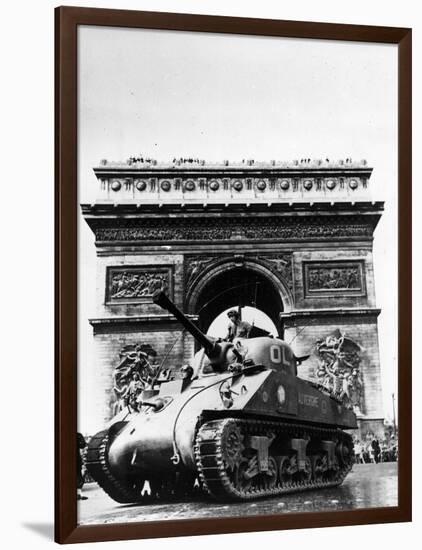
[
  {"x": 296, "y": 237},
  {"x": 165, "y": 337}
]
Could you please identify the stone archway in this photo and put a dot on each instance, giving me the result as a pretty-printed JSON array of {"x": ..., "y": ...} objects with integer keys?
[{"x": 232, "y": 283}]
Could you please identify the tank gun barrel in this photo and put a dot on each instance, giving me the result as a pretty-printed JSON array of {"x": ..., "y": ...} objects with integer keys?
[{"x": 161, "y": 299}]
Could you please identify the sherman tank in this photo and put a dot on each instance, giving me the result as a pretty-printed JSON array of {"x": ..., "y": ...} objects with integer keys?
[{"x": 239, "y": 422}]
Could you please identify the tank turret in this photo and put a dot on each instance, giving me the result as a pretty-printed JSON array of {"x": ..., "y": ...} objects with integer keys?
[
  {"x": 219, "y": 354},
  {"x": 240, "y": 421}
]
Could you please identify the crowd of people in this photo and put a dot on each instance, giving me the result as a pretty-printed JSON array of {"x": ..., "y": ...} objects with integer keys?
[
  {"x": 81, "y": 448},
  {"x": 372, "y": 450}
]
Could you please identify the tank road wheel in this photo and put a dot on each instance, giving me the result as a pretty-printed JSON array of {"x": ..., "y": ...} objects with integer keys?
[
  {"x": 307, "y": 473},
  {"x": 319, "y": 468},
  {"x": 242, "y": 480},
  {"x": 285, "y": 471},
  {"x": 345, "y": 452},
  {"x": 232, "y": 445},
  {"x": 304, "y": 476},
  {"x": 269, "y": 478},
  {"x": 223, "y": 471},
  {"x": 247, "y": 478}
]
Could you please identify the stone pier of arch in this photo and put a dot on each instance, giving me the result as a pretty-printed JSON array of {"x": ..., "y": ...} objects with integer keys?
[{"x": 293, "y": 240}]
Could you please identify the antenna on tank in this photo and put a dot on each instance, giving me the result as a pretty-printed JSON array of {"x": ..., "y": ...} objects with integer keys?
[
  {"x": 297, "y": 333},
  {"x": 157, "y": 374},
  {"x": 255, "y": 302},
  {"x": 256, "y": 295}
]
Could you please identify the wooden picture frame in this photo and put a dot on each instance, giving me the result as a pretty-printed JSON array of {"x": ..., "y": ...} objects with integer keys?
[{"x": 67, "y": 20}]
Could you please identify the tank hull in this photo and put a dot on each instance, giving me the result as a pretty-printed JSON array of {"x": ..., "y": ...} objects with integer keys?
[
  {"x": 245, "y": 430},
  {"x": 161, "y": 440}
]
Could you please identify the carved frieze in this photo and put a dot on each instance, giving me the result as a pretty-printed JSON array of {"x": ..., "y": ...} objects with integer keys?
[
  {"x": 195, "y": 265},
  {"x": 136, "y": 284},
  {"x": 337, "y": 277},
  {"x": 136, "y": 370},
  {"x": 339, "y": 361},
  {"x": 221, "y": 229},
  {"x": 281, "y": 264}
]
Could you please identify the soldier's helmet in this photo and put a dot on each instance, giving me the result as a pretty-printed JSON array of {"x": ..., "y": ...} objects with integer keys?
[
  {"x": 187, "y": 371},
  {"x": 233, "y": 313}
]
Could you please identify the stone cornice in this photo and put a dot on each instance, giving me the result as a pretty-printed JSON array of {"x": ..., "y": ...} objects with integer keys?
[
  {"x": 123, "y": 320},
  {"x": 330, "y": 312},
  {"x": 130, "y": 323},
  {"x": 263, "y": 208},
  {"x": 232, "y": 171},
  {"x": 191, "y": 180}
]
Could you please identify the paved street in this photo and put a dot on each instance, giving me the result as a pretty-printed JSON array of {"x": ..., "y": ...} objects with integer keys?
[{"x": 367, "y": 486}]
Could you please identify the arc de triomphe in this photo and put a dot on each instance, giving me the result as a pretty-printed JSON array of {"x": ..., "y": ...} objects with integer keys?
[{"x": 293, "y": 239}]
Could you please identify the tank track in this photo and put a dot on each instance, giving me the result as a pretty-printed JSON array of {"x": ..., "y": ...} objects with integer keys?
[
  {"x": 128, "y": 493},
  {"x": 98, "y": 467},
  {"x": 212, "y": 461}
]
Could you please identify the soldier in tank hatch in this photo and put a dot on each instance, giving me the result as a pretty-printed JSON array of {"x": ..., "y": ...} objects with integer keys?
[{"x": 236, "y": 327}]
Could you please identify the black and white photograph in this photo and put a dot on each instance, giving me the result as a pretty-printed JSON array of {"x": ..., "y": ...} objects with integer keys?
[{"x": 237, "y": 275}]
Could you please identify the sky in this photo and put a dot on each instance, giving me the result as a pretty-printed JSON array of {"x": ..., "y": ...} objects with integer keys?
[
  {"x": 218, "y": 328},
  {"x": 168, "y": 94}
]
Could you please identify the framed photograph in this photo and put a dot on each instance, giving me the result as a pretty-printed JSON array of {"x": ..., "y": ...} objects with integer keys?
[{"x": 233, "y": 292}]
